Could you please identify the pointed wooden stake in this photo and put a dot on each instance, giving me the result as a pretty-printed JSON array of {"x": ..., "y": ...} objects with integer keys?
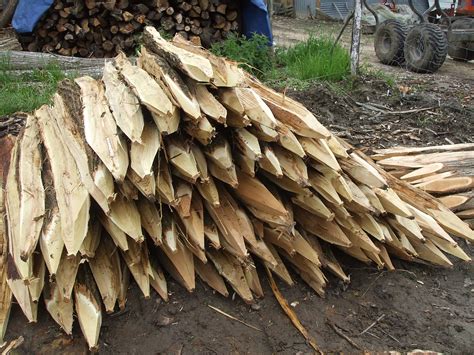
[
  {"x": 143, "y": 153},
  {"x": 160, "y": 69},
  {"x": 100, "y": 128},
  {"x": 104, "y": 181},
  {"x": 151, "y": 220},
  {"x": 255, "y": 108},
  {"x": 68, "y": 115},
  {"x": 124, "y": 214},
  {"x": 229, "y": 267},
  {"x": 392, "y": 203},
  {"x": 32, "y": 195},
  {"x": 123, "y": 103},
  {"x": 202, "y": 130},
  {"x": 248, "y": 144},
  {"x": 254, "y": 193},
  {"x": 182, "y": 158},
  {"x": 51, "y": 242},
  {"x": 148, "y": 91},
  {"x": 89, "y": 314},
  {"x": 320, "y": 151},
  {"x": 208, "y": 103},
  {"x": 146, "y": 185},
  {"x": 194, "y": 66},
  {"x": 71, "y": 195},
  {"x": 208, "y": 191},
  {"x": 209, "y": 275},
  {"x": 66, "y": 275},
  {"x": 158, "y": 281},
  {"x": 279, "y": 269},
  {"x": 288, "y": 140},
  {"x": 327, "y": 231},
  {"x": 227, "y": 220},
  {"x": 107, "y": 273},
  {"x": 137, "y": 261},
  {"x": 60, "y": 309},
  {"x": 313, "y": 204},
  {"x": 290, "y": 112},
  {"x": 180, "y": 265}
]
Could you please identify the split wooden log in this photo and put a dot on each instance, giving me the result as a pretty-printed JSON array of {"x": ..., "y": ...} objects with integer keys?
[
  {"x": 6, "y": 146},
  {"x": 123, "y": 103},
  {"x": 71, "y": 194},
  {"x": 196, "y": 67},
  {"x": 101, "y": 130},
  {"x": 88, "y": 311}
]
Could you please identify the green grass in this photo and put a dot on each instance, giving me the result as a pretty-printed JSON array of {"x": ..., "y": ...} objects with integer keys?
[
  {"x": 27, "y": 92},
  {"x": 314, "y": 59}
]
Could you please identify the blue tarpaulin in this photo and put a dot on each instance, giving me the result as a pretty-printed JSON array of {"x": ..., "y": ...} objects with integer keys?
[
  {"x": 255, "y": 19},
  {"x": 28, "y": 13}
]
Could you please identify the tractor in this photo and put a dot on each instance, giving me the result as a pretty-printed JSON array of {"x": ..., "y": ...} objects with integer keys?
[{"x": 423, "y": 47}]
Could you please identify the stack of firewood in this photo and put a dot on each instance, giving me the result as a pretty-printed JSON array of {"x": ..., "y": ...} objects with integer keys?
[
  {"x": 445, "y": 171},
  {"x": 182, "y": 165},
  {"x": 88, "y": 28}
]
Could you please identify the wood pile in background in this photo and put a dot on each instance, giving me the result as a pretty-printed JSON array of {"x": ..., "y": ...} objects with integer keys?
[
  {"x": 91, "y": 28},
  {"x": 183, "y": 166},
  {"x": 445, "y": 171},
  {"x": 9, "y": 40},
  {"x": 11, "y": 125}
]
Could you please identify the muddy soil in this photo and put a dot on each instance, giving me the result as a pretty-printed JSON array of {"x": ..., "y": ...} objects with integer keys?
[
  {"x": 413, "y": 111},
  {"x": 417, "y": 306}
]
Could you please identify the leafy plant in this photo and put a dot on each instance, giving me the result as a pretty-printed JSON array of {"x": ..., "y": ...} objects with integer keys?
[{"x": 253, "y": 53}]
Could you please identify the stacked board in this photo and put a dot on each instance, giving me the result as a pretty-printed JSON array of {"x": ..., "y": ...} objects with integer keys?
[
  {"x": 445, "y": 171},
  {"x": 184, "y": 166}
]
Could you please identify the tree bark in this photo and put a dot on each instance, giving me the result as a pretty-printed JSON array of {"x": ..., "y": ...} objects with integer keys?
[{"x": 356, "y": 34}]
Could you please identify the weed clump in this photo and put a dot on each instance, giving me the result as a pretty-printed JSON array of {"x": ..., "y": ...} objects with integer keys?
[
  {"x": 253, "y": 53},
  {"x": 314, "y": 59}
]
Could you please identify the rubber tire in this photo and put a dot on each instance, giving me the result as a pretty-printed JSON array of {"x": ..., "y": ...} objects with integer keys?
[
  {"x": 459, "y": 50},
  {"x": 7, "y": 13},
  {"x": 431, "y": 56},
  {"x": 389, "y": 41}
]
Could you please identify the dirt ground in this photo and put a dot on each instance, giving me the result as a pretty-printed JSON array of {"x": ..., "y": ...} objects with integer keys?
[
  {"x": 287, "y": 31},
  {"x": 418, "y": 306}
]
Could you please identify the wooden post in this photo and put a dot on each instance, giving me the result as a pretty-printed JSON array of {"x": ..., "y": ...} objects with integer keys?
[{"x": 356, "y": 32}]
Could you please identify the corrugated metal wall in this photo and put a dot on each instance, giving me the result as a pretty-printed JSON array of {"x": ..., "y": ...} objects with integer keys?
[
  {"x": 304, "y": 7},
  {"x": 338, "y": 9}
]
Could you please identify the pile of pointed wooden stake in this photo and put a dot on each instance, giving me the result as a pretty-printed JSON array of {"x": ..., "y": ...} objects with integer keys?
[
  {"x": 184, "y": 164},
  {"x": 445, "y": 171}
]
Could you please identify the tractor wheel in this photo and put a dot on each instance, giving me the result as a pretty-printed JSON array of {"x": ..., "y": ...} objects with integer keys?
[
  {"x": 426, "y": 47},
  {"x": 462, "y": 51},
  {"x": 389, "y": 39}
]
